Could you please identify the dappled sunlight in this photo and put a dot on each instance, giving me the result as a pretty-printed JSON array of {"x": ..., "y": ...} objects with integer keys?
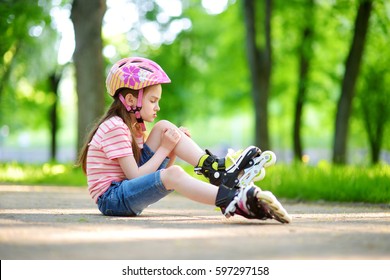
[
  {"x": 15, "y": 172},
  {"x": 47, "y": 173},
  {"x": 53, "y": 169}
]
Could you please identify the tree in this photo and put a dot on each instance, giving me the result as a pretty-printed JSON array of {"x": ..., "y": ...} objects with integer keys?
[
  {"x": 373, "y": 94},
  {"x": 54, "y": 81},
  {"x": 305, "y": 53},
  {"x": 259, "y": 59},
  {"x": 375, "y": 107},
  {"x": 87, "y": 16},
  {"x": 352, "y": 67}
]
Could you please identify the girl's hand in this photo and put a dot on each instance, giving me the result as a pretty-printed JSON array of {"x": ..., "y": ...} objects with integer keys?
[
  {"x": 170, "y": 138},
  {"x": 185, "y": 131}
]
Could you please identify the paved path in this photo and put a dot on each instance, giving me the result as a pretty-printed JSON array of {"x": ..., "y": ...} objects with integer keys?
[{"x": 63, "y": 223}]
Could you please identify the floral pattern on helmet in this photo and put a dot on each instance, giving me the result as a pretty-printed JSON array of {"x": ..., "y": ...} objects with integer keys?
[
  {"x": 130, "y": 75},
  {"x": 135, "y": 73}
]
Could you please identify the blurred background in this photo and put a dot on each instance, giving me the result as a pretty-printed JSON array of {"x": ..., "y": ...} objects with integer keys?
[{"x": 308, "y": 79}]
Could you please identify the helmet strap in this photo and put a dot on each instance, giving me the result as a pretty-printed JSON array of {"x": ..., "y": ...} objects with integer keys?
[
  {"x": 122, "y": 99},
  {"x": 140, "y": 96},
  {"x": 136, "y": 109},
  {"x": 140, "y": 120}
]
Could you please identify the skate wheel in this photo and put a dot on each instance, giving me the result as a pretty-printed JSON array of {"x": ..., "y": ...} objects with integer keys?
[
  {"x": 270, "y": 158},
  {"x": 260, "y": 176},
  {"x": 277, "y": 211}
]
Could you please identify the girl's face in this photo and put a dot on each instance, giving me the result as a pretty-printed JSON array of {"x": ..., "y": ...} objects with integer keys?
[{"x": 150, "y": 105}]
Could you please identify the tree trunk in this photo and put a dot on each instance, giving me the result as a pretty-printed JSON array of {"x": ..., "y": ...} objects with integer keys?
[
  {"x": 260, "y": 68},
  {"x": 376, "y": 112},
  {"x": 54, "y": 80},
  {"x": 352, "y": 66},
  {"x": 87, "y": 16},
  {"x": 304, "y": 65}
]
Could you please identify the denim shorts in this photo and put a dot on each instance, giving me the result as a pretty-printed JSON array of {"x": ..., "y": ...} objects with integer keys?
[{"x": 131, "y": 197}]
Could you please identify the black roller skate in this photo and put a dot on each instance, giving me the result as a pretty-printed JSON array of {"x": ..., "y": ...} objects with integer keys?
[
  {"x": 242, "y": 167},
  {"x": 235, "y": 175},
  {"x": 251, "y": 202}
]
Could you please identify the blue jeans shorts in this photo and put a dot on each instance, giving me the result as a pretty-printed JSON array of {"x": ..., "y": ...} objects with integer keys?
[{"x": 131, "y": 197}]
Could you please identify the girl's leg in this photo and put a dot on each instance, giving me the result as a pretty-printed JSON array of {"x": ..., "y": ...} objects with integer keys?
[
  {"x": 186, "y": 149},
  {"x": 175, "y": 178},
  {"x": 249, "y": 202}
]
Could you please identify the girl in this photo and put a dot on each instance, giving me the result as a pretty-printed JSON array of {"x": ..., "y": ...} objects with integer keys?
[{"x": 126, "y": 173}]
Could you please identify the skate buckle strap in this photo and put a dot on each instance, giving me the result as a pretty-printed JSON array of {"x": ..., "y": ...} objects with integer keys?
[
  {"x": 213, "y": 158},
  {"x": 210, "y": 165},
  {"x": 208, "y": 161},
  {"x": 221, "y": 164}
]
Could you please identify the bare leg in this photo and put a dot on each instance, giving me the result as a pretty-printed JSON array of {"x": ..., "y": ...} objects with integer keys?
[
  {"x": 175, "y": 178},
  {"x": 186, "y": 149}
]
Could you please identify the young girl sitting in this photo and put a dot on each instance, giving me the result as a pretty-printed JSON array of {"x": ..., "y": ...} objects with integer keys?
[{"x": 126, "y": 172}]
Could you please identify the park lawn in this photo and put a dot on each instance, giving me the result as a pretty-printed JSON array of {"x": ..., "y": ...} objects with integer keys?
[
  {"x": 329, "y": 183},
  {"x": 323, "y": 182},
  {"x": 42, "y": 174}
]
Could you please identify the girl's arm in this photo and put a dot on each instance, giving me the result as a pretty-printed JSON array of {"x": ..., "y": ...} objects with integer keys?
[
  {"x": 172, "y": 155},
  {"x": 129, "y": 166},
  {"x": 131, "y": 169}
]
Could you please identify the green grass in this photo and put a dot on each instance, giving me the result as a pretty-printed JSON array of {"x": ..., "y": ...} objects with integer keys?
[
  {"x": 326, "y": 182},
  {"x": 44, "y": 174},
  {"x": 323, "y": 182}
]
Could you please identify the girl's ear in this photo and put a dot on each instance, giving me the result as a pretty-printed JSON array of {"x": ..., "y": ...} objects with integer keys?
[{"x": 130, "y": 100}]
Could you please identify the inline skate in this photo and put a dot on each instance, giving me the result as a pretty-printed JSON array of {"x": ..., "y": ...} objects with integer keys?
[{"x": 235, "y": 175}]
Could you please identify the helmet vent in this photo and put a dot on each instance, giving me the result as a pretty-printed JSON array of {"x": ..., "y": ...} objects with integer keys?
[
  {"x": 147, "y": 69},
  {"x": 121, "y": 65}
]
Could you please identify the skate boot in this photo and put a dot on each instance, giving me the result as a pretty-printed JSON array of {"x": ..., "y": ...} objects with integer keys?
[
  {"x": 212, "y": 167},
  {"x": 252, "y": 203},
  {"x": 240, "y": 167}
]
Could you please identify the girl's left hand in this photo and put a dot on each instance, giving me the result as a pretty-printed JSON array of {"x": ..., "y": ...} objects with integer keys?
[{"x": 185, "y": 131}]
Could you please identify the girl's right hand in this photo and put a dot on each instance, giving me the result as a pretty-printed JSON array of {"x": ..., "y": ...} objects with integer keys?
[{"x": 170, "y": 137}]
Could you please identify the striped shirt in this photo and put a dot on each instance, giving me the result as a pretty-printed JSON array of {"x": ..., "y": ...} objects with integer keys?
[{"x": 111, "y": 141}]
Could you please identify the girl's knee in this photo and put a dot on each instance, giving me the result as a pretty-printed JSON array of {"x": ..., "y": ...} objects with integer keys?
[
  {"x": 172, "y": 176},
  {"x": 163, "y": 124}
]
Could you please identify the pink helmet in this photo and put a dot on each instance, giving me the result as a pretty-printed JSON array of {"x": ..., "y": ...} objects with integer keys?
[{"x": 136, "y": 73}]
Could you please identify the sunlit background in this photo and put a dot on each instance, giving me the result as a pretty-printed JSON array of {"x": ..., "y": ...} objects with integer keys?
[{"x": 211, "y": 38}]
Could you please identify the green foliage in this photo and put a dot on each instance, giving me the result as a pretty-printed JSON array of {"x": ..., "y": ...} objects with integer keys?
[
  {"x": 27, "y": 56},
  {"x": 327, "y": 58},
  {"x": 208, "y": 66}
]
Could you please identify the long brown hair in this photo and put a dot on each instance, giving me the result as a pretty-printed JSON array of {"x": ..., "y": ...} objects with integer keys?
[{"x": 116, "y": 109}]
